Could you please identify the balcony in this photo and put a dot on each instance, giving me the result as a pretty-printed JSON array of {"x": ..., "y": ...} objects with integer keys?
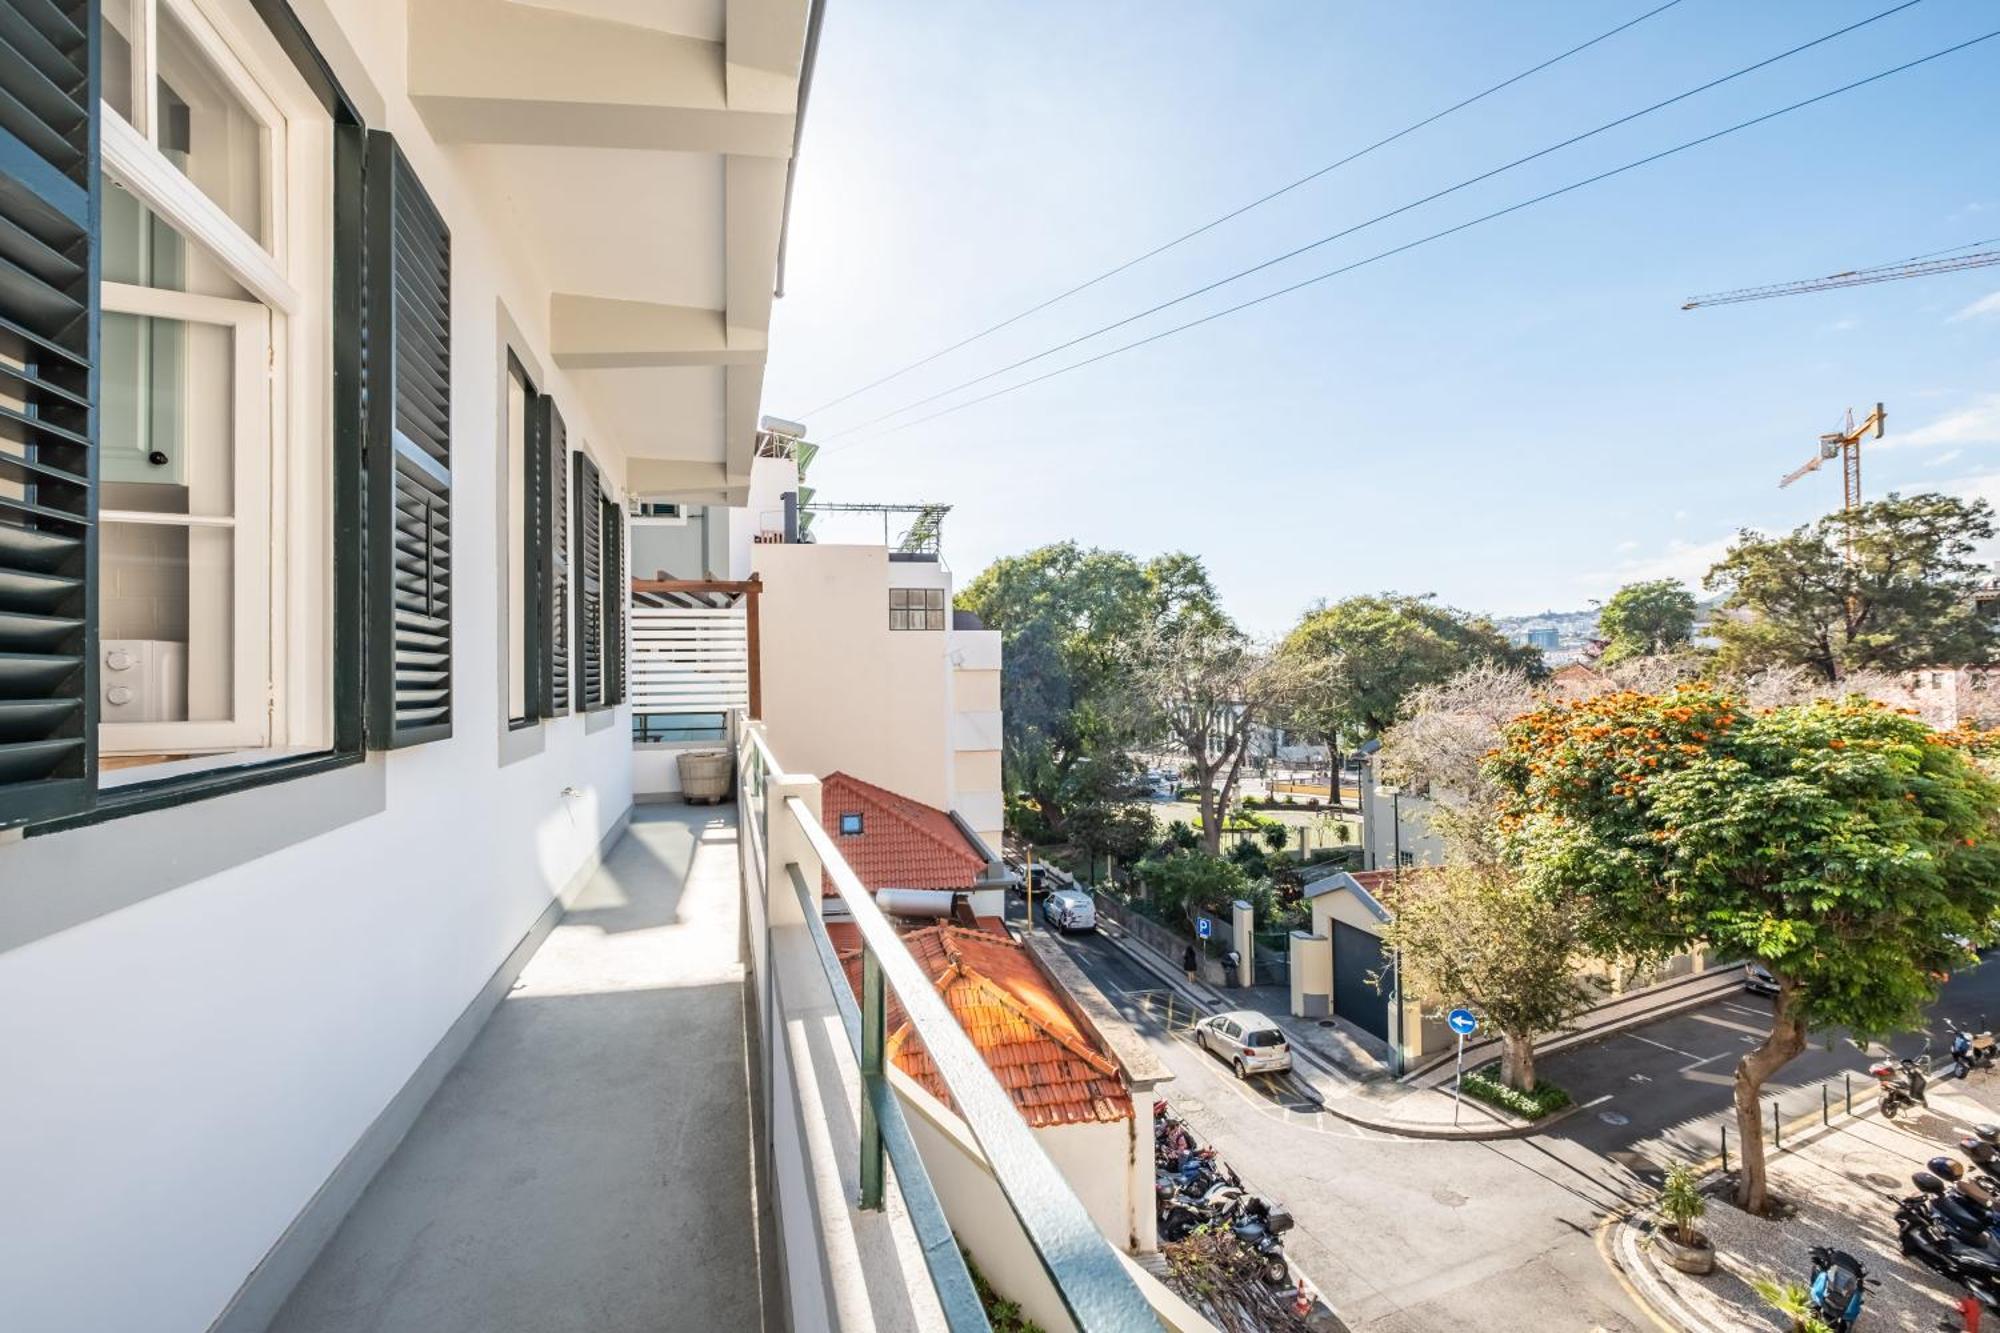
[{"x": 681, "y": 1117}]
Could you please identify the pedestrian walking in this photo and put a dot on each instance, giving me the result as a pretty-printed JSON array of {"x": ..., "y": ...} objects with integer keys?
[{"x": 1188, "y": 962}]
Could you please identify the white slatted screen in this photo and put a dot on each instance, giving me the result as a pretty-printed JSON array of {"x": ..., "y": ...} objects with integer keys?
[{"x": 689, "y": 660}]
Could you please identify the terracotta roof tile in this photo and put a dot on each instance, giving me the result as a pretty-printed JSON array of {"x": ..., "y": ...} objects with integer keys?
[
  {"x": 1017, "y": 1019},
  {"x": 903, "y": 844}
]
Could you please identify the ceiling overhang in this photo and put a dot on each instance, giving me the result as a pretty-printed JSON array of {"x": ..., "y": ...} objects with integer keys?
[{"x": 682, "y": 139}]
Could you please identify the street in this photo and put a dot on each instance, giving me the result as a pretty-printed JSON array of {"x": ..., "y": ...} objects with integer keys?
[{"x": 1403, "y": 1235}]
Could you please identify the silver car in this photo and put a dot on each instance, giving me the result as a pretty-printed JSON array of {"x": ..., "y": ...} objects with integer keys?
[
  {"x": 1250, "y": 1041},
  {"x": 1069, "y": 909}
]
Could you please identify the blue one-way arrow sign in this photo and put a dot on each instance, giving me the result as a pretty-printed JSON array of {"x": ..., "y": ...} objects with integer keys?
[{"x": 1462, "y": 1022}]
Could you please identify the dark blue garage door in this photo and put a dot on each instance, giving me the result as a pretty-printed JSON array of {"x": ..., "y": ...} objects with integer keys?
[{"x": 1357, "y": 958}]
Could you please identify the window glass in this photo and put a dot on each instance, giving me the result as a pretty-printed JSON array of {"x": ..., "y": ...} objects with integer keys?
[
  {"x": 204, "y": 127},
  {"x": 120, "y": 68},
  {"x": 850, "y": 823},
  {"x": 168, "y": 513},
  {"x": 1265, "y": 1037}
]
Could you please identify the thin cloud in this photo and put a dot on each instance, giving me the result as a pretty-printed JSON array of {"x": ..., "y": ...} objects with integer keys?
[
  {"x": 1948, "y": 456},
  {"x": 1986, "y": 307},
  {"x": 1687, "y": 561},
  {"x": 1977, "y": 424},
  {"x": 1843, "y": 325}
]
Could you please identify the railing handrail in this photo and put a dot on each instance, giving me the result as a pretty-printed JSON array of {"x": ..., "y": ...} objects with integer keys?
[{"x": 1089, "y": 1277}]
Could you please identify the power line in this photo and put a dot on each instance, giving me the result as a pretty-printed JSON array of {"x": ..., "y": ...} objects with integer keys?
[
  {"x": 1435, "y": 236},
  {"x": 1369, "y": 222},
  {"x": 1258, "y": 202}
]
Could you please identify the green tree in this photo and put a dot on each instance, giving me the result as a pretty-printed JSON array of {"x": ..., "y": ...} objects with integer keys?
[
  {"x": 1885, "y": 587},
  {"x": 1646, "y": 619},
  {"x": 1345, "y": 670},
  {"x": 1189, "y": 884},
  {"x": 1064, "y": 614},
  {"x": 1203, "y": 685},
  {"x": 1842, "y": 844},
  {"x": 1473, "y": 934}
]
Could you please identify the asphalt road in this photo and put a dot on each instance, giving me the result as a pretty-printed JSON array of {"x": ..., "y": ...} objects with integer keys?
[
  {"x": 1404, "y": 1235},
  {"x": 1400, "y": 1235}
]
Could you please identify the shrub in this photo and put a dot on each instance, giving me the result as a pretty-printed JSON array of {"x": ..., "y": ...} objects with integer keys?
[
  {"x": 1791, "y": 1299},
  {"x": 1546, "y": 1099},
  {"x": 1681, "y": 1201}
]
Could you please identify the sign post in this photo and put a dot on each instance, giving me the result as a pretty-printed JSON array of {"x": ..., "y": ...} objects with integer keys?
[{"x": 1464, "y": 1024}]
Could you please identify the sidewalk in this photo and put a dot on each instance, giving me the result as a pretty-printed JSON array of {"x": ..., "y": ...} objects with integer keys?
[{"x": 1844, "y": 1182}]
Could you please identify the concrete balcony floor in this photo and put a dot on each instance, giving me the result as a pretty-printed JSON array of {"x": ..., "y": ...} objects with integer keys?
[{"x": 587, "y": 1165}]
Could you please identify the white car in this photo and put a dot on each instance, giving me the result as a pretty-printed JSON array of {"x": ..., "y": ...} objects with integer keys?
[
  {"x": 1250, "y": 1041},
  {"x": 1069, "y": 909}
]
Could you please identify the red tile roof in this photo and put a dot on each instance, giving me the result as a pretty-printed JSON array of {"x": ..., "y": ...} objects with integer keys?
[
  {"x": 903, "y": 844},
  {"x": 1018, "y": 1019}
]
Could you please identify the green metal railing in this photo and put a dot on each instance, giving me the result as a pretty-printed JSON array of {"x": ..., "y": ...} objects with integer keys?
[{"x": 1086, "y": 1271}]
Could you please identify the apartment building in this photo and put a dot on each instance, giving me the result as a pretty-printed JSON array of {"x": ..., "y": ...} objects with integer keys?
[{"x": 342, "y": 984}]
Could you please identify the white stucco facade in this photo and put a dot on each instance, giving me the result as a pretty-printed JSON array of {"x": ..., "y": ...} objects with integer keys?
[{"x": 205, "y": 1008}]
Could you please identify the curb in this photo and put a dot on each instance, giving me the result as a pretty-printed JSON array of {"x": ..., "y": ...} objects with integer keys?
[{"x": 1620, "y": 1249}]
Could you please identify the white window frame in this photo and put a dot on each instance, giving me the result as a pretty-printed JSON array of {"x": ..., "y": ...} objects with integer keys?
[
  {"x": 249, "y": 723},
  {"x": 292, "y": 276}
]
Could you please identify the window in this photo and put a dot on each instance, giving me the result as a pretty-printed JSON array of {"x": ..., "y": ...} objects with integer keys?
[
  {"x": 214, "y": 401},
  {"x": 554, "y": 567},
  {"x": 669, "y": 728},
  {"x": 517, "y": 532},
  {"x": 850, "y": 823},
  {"x": 665, "y": 511},
  {"x": 916, "y": 608}
]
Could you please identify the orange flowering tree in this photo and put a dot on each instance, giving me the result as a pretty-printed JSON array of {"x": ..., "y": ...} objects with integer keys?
[{"x": 1845, "y": 845}]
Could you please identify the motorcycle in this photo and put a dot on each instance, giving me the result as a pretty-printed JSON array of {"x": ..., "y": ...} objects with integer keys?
[
  {"x": 1838, "y": 1285},
  {"x": 1257, "y": 1227},
  {"x": 1900, "y": 1084},
  {"x": 1948, "y": 1239}
]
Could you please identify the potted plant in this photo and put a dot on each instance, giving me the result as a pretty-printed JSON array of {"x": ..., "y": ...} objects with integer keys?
[{"x": 1681, "y": 1206}]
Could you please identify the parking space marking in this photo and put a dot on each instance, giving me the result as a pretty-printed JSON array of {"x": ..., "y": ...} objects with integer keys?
[
  {"x": 1742, "y": 1009},
  {"x": 1663, "y": 1046}
]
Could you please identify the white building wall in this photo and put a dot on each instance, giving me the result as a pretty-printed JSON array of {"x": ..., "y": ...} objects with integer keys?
[{"x": 185, "y": 1071}]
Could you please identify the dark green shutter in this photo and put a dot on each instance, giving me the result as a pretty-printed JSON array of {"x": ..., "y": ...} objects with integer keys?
[
  {"x": 407, "y": 456},
  {"x": 589, "y": 563},
  {"x": 48, "y": 385},
  {"x": 555, "y": 601},
  {"x": 617, "y": 596}
]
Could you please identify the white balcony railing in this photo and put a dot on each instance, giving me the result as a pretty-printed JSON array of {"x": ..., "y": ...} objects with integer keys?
[{"x": 835, "y": 1120}]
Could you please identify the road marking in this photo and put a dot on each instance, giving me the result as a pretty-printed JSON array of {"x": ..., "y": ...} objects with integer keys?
[
  {"x": 1663, "y": 1046},
  {"x": 1741, "y": 1009},
  {"x": 1599, "y": 1102}
]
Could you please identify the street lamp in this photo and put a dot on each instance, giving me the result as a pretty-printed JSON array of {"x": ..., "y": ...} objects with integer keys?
[{"x": 1395, "y": 795}]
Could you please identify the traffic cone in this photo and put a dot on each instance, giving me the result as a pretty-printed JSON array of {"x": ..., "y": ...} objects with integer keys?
[
  {"x": 1302, "y": 1304},
  {"x": 1968, "y": 1306}
]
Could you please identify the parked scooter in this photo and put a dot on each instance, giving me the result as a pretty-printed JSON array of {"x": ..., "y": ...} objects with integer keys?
[
  {"x": 1948, "y": 1239},
  {"x": 1900, "y": 1083},
  {"x": 1972, "y": 1050},
  {"x": 1838, "y": 1284}
]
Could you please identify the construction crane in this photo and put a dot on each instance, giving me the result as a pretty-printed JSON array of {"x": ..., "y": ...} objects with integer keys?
[
  {"x": 1846, "y": 444},
  {"x": 1920, "y": 266}
]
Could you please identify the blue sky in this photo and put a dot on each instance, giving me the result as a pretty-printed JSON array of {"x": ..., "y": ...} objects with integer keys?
[{"x": 1513, "y": 418}]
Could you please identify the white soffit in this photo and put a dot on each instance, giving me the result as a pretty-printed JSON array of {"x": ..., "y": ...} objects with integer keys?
[
  {"x": 660, "y": 412},
  {"x": 621, "y": 223}
]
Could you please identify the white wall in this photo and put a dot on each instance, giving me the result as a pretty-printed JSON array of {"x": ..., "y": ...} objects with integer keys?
[
  {"x": 841, "y": 690},
  {"x": 975, "y": 687},
  {"x": 183, "y": 1073}
]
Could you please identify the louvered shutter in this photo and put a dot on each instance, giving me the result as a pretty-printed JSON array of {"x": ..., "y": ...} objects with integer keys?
[
  {"x": 555, "y": 446},
  {"x": 48, "y": 347},
  {"x": 407, "y": 456},
  {"x": 617, "y": 597},
  {"x": 589, "y": 563}
]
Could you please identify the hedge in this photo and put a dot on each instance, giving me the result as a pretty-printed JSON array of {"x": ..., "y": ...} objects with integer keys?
[{"x": 1545, "y": 1100}]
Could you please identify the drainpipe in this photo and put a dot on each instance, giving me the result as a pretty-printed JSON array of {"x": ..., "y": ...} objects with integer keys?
[{"x": 791, "y": 518}]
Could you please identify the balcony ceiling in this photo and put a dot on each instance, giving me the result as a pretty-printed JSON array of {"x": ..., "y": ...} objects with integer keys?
[{"x": 641, "y": 148}]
